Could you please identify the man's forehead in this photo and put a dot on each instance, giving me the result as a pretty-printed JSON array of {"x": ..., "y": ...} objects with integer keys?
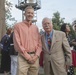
[{"x": 46, "y": 20}]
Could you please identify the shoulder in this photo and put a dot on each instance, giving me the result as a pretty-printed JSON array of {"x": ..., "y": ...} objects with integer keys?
[
  {"x": 43, "y": 35},
  {"x": 5, "y": 36},
  {"x": 59, "y": 32},
  {"x": 17, "y": 25},
  {"x": 35, "y": 26}
]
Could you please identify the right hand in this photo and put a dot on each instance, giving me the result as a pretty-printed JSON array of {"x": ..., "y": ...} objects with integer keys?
[{"x": 30, "y": 60}]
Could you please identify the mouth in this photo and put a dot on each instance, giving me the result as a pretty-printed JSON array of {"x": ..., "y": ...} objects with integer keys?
[
  {"x": 30, "y": 15},
  {"x": 47, "y": 27}
]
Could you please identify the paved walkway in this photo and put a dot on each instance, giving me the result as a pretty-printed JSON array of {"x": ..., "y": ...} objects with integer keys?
[
  {"x": 41, "y": 71},
  {"x": 1, "y": 74}
]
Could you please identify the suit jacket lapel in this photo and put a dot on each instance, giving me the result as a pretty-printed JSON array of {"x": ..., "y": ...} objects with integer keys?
[
  {"x": 44, "y": 40},
  {"x": 53, "y": 39}
]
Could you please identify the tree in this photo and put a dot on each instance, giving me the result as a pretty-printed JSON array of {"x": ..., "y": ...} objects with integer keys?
[
  {"x": 8, "y": 15},
  {"x": 57, "y": 20},
  {"x": 72, "y": 32}
]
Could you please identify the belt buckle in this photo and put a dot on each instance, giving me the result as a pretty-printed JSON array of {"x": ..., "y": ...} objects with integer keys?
[{"x": 30, "y": 52}]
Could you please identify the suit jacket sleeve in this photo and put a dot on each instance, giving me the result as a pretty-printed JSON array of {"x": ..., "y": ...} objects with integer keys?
[{"x": 66, "y": 48}]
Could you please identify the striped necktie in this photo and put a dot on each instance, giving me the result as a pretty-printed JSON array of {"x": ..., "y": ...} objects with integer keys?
[{"x": 49, "y": 43}]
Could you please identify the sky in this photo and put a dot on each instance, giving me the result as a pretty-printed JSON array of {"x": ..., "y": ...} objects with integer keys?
[{"x": 66, "y": 8}]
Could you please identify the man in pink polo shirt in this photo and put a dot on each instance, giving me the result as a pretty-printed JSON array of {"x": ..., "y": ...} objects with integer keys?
[{"x": 27, "y": 42}]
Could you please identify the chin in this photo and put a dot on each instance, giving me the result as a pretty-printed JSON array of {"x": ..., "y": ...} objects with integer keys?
[
  {"x": 29, "y": 20},
  {"x": 48, "y": 30}
]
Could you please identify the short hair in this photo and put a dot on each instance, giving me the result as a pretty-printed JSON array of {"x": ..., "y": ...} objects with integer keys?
[
  {"x": 28, "y": 7},
  {"x": 47, "y": 19},
  {"x": 9, "y": 31},
  {"x": 63, "y": 27}
]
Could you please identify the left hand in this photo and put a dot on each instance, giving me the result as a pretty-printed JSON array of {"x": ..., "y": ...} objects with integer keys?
[
  {"x": 30, "y": 61},
  {"x": 35, "y": 58},
  {"x": 67, "y": 67}
]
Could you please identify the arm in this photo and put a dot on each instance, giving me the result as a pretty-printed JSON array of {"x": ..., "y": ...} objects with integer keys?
[
  {"x": 67, "y": 50},
  {"x": 17, "y": 44},
  {"x": 73, "y": 42},
  {"x": 38, "y": 48},
  {"x": 3, "y": 41},
  {"x": 39, "y": 45}
]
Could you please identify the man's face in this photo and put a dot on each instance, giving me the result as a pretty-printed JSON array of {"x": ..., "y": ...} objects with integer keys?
[
  {"x": 29, "y": 14},
  {"x": 47, "y": 25}
]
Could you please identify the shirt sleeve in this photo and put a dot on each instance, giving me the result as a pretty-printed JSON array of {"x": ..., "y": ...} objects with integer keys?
[
  {"x": 18, "y": 47},
  {"x": 39, "y": 45}
]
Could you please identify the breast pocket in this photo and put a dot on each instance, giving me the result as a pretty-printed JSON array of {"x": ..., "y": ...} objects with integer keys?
[
  {"x": 58, "y": 43},
  {"x": 57, "y": 46}
]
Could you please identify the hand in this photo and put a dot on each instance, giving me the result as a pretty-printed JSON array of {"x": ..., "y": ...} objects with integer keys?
[
  {"x": 35, "y": 58},
  {"x": 23, "y": 54},
  {"x": 30, "y": 61},
  {"x": 67, "y": 67}
]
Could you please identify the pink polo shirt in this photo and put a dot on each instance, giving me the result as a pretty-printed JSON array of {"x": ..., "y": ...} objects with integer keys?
[{"x": 27, "y": 38}]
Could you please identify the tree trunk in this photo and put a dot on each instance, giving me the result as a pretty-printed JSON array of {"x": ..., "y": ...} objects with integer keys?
[{"x": 2, "y": 18}]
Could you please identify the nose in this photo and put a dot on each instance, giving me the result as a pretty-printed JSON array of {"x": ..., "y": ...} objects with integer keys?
[
  {"x": 30, "y": 14},
  {"x": 46, "y": 25}
]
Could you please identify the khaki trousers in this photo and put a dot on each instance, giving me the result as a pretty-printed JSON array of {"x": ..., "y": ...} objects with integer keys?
[{"x": 24, "y": 68}]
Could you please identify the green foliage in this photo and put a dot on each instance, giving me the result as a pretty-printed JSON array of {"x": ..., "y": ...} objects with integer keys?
[
  {"x": 8, "y": 15},
  {"x": 72, "y": 32},
  {"x": 8, "y": 7},
  {"x": 57, "y": 20}
]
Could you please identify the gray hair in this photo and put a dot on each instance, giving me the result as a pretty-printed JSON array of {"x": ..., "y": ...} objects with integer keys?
[{"x": 46, "y": 18}]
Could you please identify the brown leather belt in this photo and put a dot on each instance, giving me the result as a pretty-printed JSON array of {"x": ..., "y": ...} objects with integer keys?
[{"x": 31, "y": 52}]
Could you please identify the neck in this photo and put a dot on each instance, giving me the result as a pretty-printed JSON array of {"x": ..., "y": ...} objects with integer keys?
[
  {"x": 29, "y": 22},
  {"x": 49, "y": 32},
  {"x": 67, "y": 33}
]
